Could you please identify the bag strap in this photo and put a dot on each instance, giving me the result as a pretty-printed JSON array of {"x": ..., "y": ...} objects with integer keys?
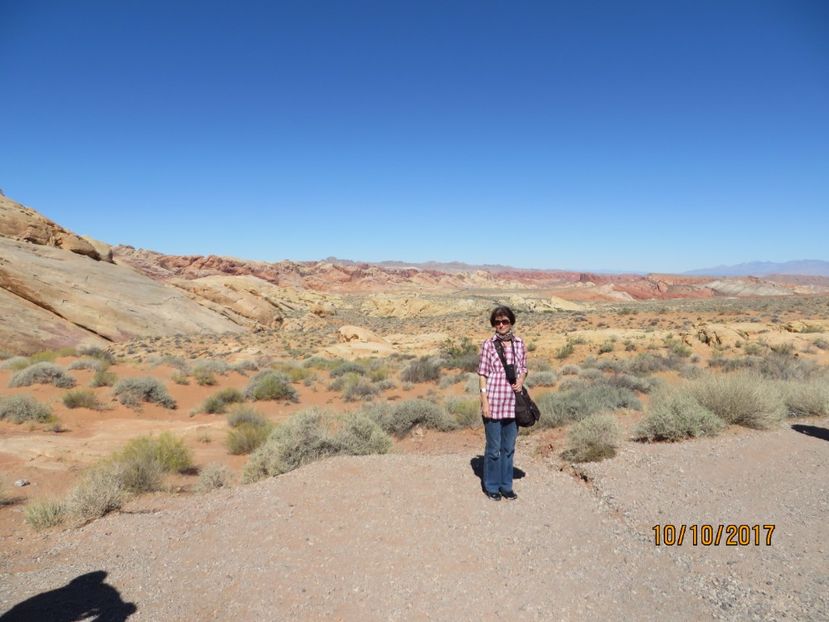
[{"x": 499, "y": 348}]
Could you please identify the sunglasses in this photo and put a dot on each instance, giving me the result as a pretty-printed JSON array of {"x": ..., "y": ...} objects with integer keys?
[{"x": 504, "y": 322}]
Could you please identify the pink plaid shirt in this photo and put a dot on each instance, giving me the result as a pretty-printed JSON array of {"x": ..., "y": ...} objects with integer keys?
[{"x": 499, "y": 393}]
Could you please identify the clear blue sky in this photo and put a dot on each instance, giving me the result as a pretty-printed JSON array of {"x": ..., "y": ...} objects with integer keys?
[{"x": 650, "y": 136}]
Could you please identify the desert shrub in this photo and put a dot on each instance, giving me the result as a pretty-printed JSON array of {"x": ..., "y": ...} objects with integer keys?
[
  {"x": 180, "y": 378},
  {"x": 673, "y": 415},
  {"x": 461, "y": 354},
  {"x": 173, "y": 454},
  {"x": 294, "y": 372},
  {"x": 423, "y": 369},
  {"x": 466, "y": 411},
  {"x": 103, "y": 378},
  {"x": 570, "y": 370},
  {"x": 634, "y": 383},
  {"x": 580, "y": 401},
  {"x": 406, "y": 415},
  {"x": 247, "y": 365},
  {"x": 754, "y": 349},
  {"x": 361, "y": 389},
  {"x": 173, "y": 361},
  {"x": 20, "y": 408},
  {"x": 87, "y": 363},
  {"x": 785, "y": 349},
  {"x": 97, "y": 353},
  {"x": 213, "y": 476},
  {"x": 347, "y": 367},
  {"x": 777, "y": 366},
  {"x": 15, "y": 363},
  {"x": 565, "y": 351},
  {"x": 594, "y": 438},
  {"x": 137, "y": 467},
  {"x": 306, "y": 437},
  {"x": 204, "y": 377},
  {"x": 211, "y": 367},
  {"x": 606, "y": 346},
  {"x": 805, "y": 399},
  {"x": 646, "y": 363},
  {"x": 133, "y": 392},
  {"x": 821, "y": 343},
  {"x": 245, "y": 414},
  {"x": 100, "y": 491},
  {"x": 316, "y": 362},
  {"x": 740, "y": 398},
  {"x": 49, "y": 356},
  {"x": 217, "y": 403},
  {"x": 44, "y": 514},
  {"x": 42, "y": 373},
  {"x": 245, "y": 438},
  {"x": 81, "y": 399},
  {"x": 541, "y": 379},
  {"x": 270, "y": 385}
]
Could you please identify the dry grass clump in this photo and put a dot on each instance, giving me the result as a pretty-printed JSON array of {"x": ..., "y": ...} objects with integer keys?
[
  {"x": 248, "y": 430},
  {"x": 740, "y": 398},
  {"x": 44, "y": 514},
  {"x": 644, "y": 364},
  {"x": 581, "y": 400},
  {"x": 594, "y": 438},
  {"x": 213, "y": 476},
  {"x": 674, "y": 415},
  {"x": 87, "y": 363},
  {"x": 312, "y": 435},
  {"x": 217, "y": 403},
  {"x": 133, "y": 392},
  {"x": 20, "y": 408},
  {"x": 270, "y": 385},
  {"x": 97, "y": 353},
  {"x": 140, "y": 465},
  {"x": 100, "y": 491},
  {"x": 294, "y": 372},
  {"x": 423, "y": 369},
  {"x": 42, "y": 373},
  {"x": 805, "y": 399},
  {"x": 81, "y": 399}
]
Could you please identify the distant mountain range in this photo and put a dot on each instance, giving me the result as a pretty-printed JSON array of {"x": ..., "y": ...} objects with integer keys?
[{"x": 807, "y": 267}]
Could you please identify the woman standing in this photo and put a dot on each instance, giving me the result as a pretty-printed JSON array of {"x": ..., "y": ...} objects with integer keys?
[{"x": 498, "y": 402}]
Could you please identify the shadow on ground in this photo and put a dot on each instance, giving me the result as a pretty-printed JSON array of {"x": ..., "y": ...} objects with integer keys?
[
  {"x": 86, "y": 597},
  {"x": 477, "y": 464},
  {"x": 812, "y": 430}
]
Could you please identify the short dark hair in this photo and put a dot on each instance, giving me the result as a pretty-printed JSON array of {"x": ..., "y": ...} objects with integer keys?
[{"x": 499, "y": 312}]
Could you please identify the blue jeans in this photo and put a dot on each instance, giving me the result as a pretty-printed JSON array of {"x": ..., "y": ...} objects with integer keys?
[{"x": 499, "y": 453}]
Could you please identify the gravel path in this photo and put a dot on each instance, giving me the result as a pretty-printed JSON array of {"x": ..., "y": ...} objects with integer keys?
[{"x": 408, "y": 537}]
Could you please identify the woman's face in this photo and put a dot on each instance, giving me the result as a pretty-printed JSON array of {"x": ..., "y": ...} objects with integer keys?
[{"x": 502, "y": 325}]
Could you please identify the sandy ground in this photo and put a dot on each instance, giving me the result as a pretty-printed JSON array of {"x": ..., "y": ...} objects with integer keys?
[{"x": 411, "y": 537}]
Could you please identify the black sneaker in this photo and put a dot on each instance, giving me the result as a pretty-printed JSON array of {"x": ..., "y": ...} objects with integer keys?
[
  {"x": 495, "y": 496},
  {"x": 509, "y": 494}
]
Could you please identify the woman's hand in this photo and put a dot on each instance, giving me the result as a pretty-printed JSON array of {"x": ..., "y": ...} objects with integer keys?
[{"x": 518, "y": 386}]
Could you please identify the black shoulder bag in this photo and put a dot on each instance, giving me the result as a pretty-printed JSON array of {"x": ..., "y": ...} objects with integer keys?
[{"x": 526, "y": 412}]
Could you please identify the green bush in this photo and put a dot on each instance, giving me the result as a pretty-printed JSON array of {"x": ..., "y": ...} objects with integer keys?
[
  {"x": 594, "y": 438},
  {"x": 16, "y": 363},
  {"x": 465, "y": 410},
  {"x": 173, "y": 454},
  {"x": 673, "y": 415},
  {"x": 81, "y": 399},
  {"x": 565, "y": 351},
  {"x": 20, "y": 408},
  {"x": 805, "y": 399},
  {"x": 248, "y": 431},
  {"x": 204, "y": 377},
  {"x": 143, "y": 461},
  {"x": 213, "y": 476},
  {"x": 582, "y": 400},
  {"x": 410, "y": 413},
  {"x": 348, "y": 367},
  {"x": 362, "y": 389},
  {"x": 423, "y": 369},
  {"x": 307, "y": 437},
  {"x": 461, "y": 354},
  {"x": 44, "y": 514},
  {"x": 628, "y": 381},
  {"x": 134, "y": 391},
  {"x": 103, "y": 378},
  {"x": 42, "y": 373},
  {"x": 245, "y": 414},
  {"x": 740, "y": 398},
  {"x": 217, "y": 403},
  {"x": 270, "y": 385}
]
